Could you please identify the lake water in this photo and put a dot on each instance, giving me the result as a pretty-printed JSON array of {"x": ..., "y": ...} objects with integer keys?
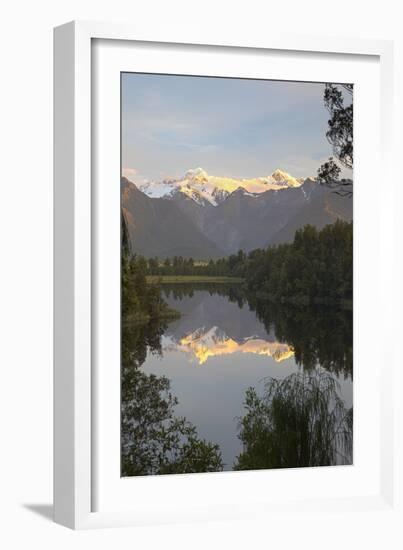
[{"x": 224, "y": 343}]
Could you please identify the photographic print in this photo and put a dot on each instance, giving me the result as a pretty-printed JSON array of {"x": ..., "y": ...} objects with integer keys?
[{"x": 236, "y": 274}]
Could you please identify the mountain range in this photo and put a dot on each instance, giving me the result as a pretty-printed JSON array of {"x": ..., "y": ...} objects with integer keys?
[
  {"x": 205, "y": 189},
  {"x": 203, "y": 216}
]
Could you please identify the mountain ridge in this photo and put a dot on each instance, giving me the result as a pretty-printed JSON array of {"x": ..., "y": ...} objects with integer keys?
[
  {"x": 203, "y": 188},
  {"x": 177, "y": 236},
  {"x": 178, "y": 225}
]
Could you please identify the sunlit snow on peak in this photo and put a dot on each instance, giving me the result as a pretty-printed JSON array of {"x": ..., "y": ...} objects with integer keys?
[{"x": 205, "y": 189}]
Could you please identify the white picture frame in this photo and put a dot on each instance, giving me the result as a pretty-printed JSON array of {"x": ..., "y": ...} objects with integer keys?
[{"x": 77, "y": 425}]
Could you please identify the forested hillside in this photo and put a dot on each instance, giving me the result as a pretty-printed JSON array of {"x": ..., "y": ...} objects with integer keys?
[{"x": 317, "y": 267}]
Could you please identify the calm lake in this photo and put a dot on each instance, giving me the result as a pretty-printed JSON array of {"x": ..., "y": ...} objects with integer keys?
[{"x": 225, "y": 342}]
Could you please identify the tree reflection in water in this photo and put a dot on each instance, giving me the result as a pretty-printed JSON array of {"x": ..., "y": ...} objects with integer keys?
[
  {"x": 318, "y": 335},
  {"x": 298, "y": 421}
]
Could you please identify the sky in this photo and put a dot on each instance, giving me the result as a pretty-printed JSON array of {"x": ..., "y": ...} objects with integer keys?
[{"x": 239, "y": 128}]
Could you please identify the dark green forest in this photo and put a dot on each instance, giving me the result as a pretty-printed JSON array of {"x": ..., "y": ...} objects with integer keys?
[
  {"x": 141, "y": 302},
  {"x": 316, "y": 268}
]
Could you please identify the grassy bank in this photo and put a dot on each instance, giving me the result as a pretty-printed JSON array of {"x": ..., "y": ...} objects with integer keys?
[{"x": 170, "y": 279}]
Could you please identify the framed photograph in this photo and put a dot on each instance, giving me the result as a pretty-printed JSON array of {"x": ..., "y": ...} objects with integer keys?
[{"x": 220, "y": 253}]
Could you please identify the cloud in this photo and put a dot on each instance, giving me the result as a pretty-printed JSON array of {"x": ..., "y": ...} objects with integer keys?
[{"x": 129, "y": 172}]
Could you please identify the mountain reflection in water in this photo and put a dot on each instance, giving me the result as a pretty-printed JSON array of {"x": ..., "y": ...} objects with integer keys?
[
  {"x": 203, "y": 344},
  {"x": 241, "y": 343}
]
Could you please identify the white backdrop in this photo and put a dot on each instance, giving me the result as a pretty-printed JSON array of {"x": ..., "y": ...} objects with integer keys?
[{"x": 26, "y": 267}]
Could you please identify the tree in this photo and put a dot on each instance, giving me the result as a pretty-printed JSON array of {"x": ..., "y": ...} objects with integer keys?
[
  {"x": 299, "y": 421},
  {"x": 316, "y": 268},
  {"x": 153, "y": 439},
  {"x": 340, "y": 137},
  {"x": 153, "y": 265},
  {"x": 340, "y": 132},
  {"x": 329, "y": 172}
]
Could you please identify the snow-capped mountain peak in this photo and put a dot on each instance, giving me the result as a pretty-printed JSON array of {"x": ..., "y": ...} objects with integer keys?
[
  {"x": 197, "y": 174},
  {"x": 281, "y": 177},
  {"x": 205, "y": 189}
]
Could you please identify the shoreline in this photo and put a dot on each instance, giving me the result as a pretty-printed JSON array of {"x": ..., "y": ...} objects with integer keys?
[{"x": 171, "y": 279}]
